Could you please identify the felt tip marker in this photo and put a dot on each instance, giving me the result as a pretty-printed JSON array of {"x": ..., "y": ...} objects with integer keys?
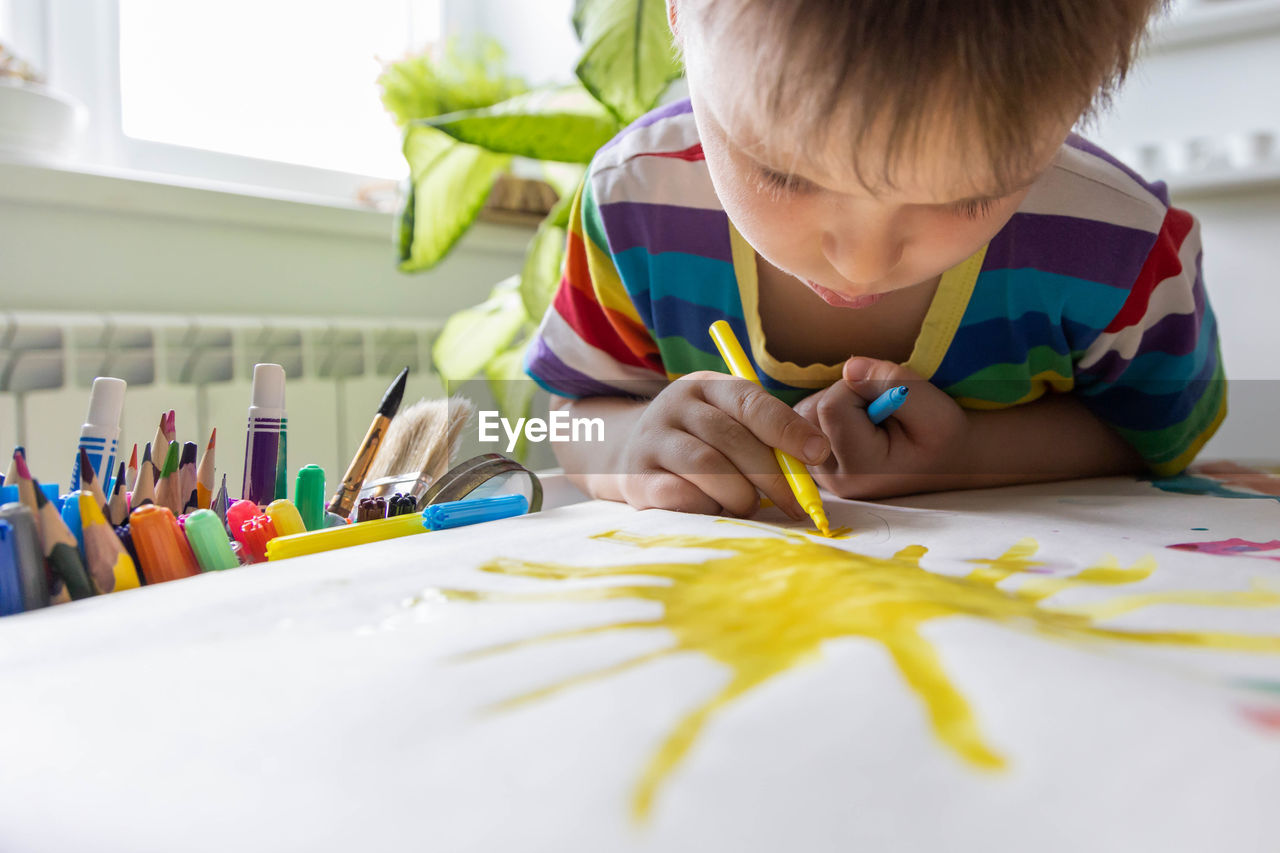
[
  {"x": 886, "y": 404},
  {"x": 798, "y": 478},
  {"x": 461, "y": 513},
  {"x": 262, "y": 440},
  {"x": 101, "y": 428}
]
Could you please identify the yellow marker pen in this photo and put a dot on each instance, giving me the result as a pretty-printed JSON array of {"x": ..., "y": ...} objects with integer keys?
[
  {"x": 315, "y": 541},
  {"x": 802, "y": 485}
]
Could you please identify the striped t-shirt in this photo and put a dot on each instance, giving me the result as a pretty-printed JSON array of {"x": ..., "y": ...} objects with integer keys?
[{"x": 1093, "y": 287}]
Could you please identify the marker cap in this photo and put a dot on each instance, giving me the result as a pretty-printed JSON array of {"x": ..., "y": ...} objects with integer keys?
[
  {"x": 308, "y": 496},
  {"x": 106, "y": 402},
  {"x": 268, "y": 386},
  {"x": 161, "y": 551},
  {"x": 209, "y": 542},
  {"x": 459, "y": 513}
]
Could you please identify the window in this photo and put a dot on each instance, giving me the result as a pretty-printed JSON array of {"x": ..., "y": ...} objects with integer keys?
[{"x": 270, "y": 93}]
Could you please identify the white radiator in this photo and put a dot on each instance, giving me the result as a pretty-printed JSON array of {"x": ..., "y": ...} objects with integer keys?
[{"x": 202, "y": 366}]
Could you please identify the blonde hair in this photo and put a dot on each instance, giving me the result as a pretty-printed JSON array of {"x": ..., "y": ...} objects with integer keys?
[{"x": 998, "y": 70}]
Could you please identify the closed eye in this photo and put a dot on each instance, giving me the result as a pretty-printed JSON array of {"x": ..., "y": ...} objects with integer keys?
[
  {"x": 974, "y": 208},
  {"x": 777, "y": 181}
]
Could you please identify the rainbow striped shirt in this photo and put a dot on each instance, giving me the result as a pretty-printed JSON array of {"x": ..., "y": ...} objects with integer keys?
[{"x": 1093, "y": 287}]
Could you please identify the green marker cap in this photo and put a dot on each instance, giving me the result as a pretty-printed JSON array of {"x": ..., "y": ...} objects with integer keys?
[
  {"x": 308, "y": 496},
  {"x": 209, "y": 541}
]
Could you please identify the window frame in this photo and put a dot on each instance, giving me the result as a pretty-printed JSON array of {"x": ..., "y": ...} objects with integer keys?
[{"x": 82, "y": 59}]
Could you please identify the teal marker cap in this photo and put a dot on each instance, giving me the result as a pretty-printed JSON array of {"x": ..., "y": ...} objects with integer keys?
[
  {"x": 70, "y": 513},
  {"x": 308, "y": 496},
  {"x": 459, "y": 513},
  {"x": 209, "y": 541}
]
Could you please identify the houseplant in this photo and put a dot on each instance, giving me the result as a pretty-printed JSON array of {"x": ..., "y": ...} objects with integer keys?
[{"x": 627, "y": 62}]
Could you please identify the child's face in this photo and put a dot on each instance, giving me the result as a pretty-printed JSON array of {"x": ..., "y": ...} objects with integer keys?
[{"x": 824, "y": 227}]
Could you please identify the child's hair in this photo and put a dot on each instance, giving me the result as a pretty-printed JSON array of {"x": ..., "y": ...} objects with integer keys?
[{"x": 999, "y": 69}]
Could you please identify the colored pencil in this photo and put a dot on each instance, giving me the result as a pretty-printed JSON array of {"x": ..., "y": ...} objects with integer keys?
[
  {"x": 131, "y": 477},
  {"x": 26, "y": 488},
  {"x": 89, "y": 479},
  {"x": 167, "y": 485},
  {"x": 11, "y": 476},
  {"x": 144, "y": 491},
  {"x": 117, "y": 506},
  {"x": 221, "y": 501},
  {"x": 187, "y": 477},
  {"x": 158, "y": 445},
  {"x": 205, "y": 481},
  {"x": 110, "y": 566},
  {"x": 60, "y": 548}
]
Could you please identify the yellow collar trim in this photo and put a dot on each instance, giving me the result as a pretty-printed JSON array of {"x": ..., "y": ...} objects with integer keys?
[{"x": 936, "y": 332}]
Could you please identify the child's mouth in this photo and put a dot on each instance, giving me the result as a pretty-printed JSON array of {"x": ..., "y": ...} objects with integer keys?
[{"x": 839, "y": 301}]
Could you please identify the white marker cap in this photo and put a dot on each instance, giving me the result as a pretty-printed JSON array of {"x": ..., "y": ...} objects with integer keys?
[
  {"x": 106, "y": 402},
  {"x": 268, "y": 386}
]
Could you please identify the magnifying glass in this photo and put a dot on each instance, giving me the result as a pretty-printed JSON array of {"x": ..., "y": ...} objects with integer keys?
[{"x": 484, "y": 476}]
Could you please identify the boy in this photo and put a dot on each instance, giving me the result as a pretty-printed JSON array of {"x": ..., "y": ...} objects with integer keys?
[{"x": 878, "y": 193}]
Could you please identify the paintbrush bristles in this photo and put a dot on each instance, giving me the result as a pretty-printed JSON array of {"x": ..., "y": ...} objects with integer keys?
[{"x": 422, "y": 438}]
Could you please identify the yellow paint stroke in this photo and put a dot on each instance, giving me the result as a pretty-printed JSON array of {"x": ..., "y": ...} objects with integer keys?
[{"x": 767, "y": 603}]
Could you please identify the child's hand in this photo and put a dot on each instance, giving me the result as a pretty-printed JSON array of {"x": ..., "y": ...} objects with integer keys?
[
  {"x": 705, "y": 444},
  {"x": 923, "y": 439}
]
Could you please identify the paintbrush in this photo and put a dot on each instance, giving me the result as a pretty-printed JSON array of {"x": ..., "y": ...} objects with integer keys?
[
  {"x": 418, "y": 448},
  {"x": 344, "y": 498},
  {"x": 204, "y": 476}
]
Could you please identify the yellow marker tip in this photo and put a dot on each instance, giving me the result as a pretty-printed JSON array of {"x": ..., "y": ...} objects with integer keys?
[{"x": 820, "y": 521}]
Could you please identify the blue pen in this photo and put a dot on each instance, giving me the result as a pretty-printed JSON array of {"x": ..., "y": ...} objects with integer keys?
[
  {"x": 459, "y": 513},
  {"x": 887, "y": 403}
]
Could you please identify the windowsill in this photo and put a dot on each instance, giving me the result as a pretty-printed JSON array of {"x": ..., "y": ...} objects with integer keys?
[{"x": 115, "y": 191}]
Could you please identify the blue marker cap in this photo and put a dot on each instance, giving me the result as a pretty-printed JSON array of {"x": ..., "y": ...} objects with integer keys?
[
  {"x": 459, "y": 513},
  {"x": 887, "y": 403}
]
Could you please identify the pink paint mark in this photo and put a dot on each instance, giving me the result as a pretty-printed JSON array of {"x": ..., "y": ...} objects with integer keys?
[
  {"x": 1229, "y": 547},
  {"x": 1267, "y": 718}
]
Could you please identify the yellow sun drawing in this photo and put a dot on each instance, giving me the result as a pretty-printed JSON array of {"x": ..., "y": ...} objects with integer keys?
[{"x": 769, "y": 602}]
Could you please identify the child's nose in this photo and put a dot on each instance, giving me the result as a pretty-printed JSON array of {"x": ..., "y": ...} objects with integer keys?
[{"x": 862, "y": 255}]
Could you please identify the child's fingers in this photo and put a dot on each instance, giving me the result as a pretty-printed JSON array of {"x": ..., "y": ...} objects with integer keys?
[
  {"x": 840, "y": 412},
  {"x": 771, "y": 421},
  {"x": 926, "y": 405},
  {"x": 725, "y": 447}
]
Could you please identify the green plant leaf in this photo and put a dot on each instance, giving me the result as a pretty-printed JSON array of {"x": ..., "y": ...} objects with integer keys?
[
  {"x": 471, "y": 338},
  {"x": 469, "y": 75},
  {"x": 512, "y": 389},
  {"x": 564, "y": 124},
  {"x": 565, "y": 178},
  {"x": 541, "y": 274},
  {"x": 627, "y": 56},
  {"x": 451, "y": 181}
]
